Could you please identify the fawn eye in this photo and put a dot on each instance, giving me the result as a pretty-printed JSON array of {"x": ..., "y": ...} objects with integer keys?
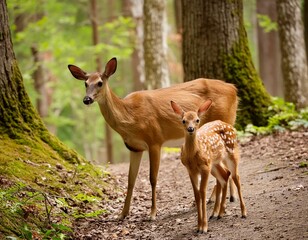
[
  {"x": 183, "y": 121},
  {"x": 100, "y": 84},
  {"x": 86, "y": 85},
  {"x": 198, "y": 120}
]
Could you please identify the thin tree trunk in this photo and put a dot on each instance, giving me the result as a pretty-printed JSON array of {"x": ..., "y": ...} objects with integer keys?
[
  {"x": 215, "y": 46},
  {"x": 305, "y": 17},
  {"x": 95, "y": 37},
  {"x": 134, "y": 9},
  {"x": 155, "y": 44},
  {"x": 250, "y": 15},
  {"x": 294, "y": 61},
  {"x": 40, "y": 81},
  {"x": 269, "y": 51},
  {"x": 178, "y": 16}
]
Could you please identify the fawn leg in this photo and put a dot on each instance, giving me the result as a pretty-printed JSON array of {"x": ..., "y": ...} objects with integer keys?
[
  {"x": 213, "y": 194},
  {"x": 233, "y": 167},
  {"x": 236, "y": 179},
  {"x": 203, "y": 188},
  {"x": 194, "y": 182}
]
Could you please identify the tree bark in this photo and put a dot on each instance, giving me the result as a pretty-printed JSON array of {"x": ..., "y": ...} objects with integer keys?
[
  {"x": 18, "y": 119},
  {"x": 305, "y": 17},
  {"x": 155, "y": 44},
  {"x": 294, "y": 61},
  {"x": 40, "y": 81},
  {"x": 134, "y": 9},
  {"x": 178, "y": 16},
  {"x": 269, "y": 51},
  {"x": 215, "y": 46}
]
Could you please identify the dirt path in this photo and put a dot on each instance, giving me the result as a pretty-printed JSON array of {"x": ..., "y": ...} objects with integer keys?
[{"x": 275, "y": 190}]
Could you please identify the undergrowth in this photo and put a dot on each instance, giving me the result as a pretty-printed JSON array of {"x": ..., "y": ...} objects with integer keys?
[
  {"x": 29, "y": 213},
  {"x": 284, "y": 117},
  {"x": 41, "y": 194}
]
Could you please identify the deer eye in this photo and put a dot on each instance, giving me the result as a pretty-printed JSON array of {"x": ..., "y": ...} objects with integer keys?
[
  {"x": 183, "y": 121},
  {"x": 198, "y": 120},
  {"x": 86, "y": 85},
  {"x": 100, "y": 84}
]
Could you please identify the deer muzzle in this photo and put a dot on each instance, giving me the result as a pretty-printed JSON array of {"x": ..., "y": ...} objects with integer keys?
[
  {"x": 87, "y": 100},
  {"x": 190, "y": 130}
]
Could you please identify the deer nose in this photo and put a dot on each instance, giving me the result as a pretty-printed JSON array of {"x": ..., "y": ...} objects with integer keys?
[
  {"x": 87, "y": 100},
  {"x": 190, "y": 129}
]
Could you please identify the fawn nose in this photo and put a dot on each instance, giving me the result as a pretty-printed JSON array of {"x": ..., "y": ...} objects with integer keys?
[
  {"x": 190, "y": 129},
  {"x": 87, "y": 100}
]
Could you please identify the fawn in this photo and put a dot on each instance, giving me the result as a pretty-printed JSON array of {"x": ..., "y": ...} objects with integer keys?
[{"x": 211, "y": 149}]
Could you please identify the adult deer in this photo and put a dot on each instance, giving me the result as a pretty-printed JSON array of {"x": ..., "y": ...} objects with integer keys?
[
  {"x": 144, "y": 120},
  {"x": 212, "y": 149}
]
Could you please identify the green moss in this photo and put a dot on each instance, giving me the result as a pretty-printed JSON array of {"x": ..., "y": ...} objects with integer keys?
[
  {"x": 32, "y": 163},
  {"x": 254, "y": 100}
]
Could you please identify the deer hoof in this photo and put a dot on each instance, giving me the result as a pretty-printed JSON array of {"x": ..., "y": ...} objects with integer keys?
[{"x": 232, "y": 199}]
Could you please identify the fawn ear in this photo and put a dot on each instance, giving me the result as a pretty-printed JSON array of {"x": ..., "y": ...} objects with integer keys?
[
  {"x": 177, "y": 108},
  {"x": 204, "y": 107},
  {"x": 110, "y": 67},
  {"x": 77, "y": 72}
]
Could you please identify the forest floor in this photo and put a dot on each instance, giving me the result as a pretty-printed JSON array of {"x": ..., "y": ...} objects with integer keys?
[{"x": 274, "y": 178}]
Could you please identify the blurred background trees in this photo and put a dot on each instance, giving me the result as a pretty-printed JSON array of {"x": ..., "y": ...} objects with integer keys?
[
  {"x": 49, "y": 35},
  {"x": 294, "y": 60}
]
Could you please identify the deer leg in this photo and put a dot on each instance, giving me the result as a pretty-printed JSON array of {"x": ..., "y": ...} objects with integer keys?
[
  {"x": 232, "y": 190},
  {"x": 233, "y": 167},
  {"x": 217, "y": 200},
  {"x": 203, "y": 188},
  {"x": 135, "y": 159},
  {"x": 224, "y": 173},
  {"x": 154, "y": 153},
  {"x": 212, "y": 197},
  {"x": 236, "y": 179},
  {"x": 215, "y": 173},
  {"x": 194, "y": 182}
]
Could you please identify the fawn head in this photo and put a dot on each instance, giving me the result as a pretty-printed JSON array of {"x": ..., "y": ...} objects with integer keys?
[
  {"x": 94, "y": 82},
  {"x": 191, "y": 119}
]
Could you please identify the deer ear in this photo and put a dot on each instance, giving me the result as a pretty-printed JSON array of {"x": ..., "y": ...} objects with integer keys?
[
  {"x": 204, "y": 107},
  {"x": 111, "y": 67},
  {"x": 177, "y": 108},
  {"x": 77, "y": 72}
]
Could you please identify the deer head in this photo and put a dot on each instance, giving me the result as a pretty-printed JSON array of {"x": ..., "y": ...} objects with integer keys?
[
  {"x": 191, "y": 120},
  {"x": 94, "y": 82}
]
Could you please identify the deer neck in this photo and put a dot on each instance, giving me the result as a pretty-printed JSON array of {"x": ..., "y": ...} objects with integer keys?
[
  {"x": 111, "y": 107},
  {"x": 191, "y": 144}
]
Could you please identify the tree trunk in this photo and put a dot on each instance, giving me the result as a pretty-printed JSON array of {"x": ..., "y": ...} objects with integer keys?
[
  {"x": 18, "y": 119},
  {"x": 95, "y": 38},
  {"x": 250, "y": 16},
  {"x": 269, "y": 51},
  {"x": 40, "y": 81},
  {"x": 178, "y": 16},
  {"x": 305, "y": 17},
  {"x": 155, "y": 44},
  {"x": 215, "y": 46},
  {"x": 294, "y": 61},
  {"x": 134, "y": 9}
]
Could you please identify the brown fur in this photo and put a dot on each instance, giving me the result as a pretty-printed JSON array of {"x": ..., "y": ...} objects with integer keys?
[
  {"x": 210, "y": 149},
  {"x": 144, "y": 119}
]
